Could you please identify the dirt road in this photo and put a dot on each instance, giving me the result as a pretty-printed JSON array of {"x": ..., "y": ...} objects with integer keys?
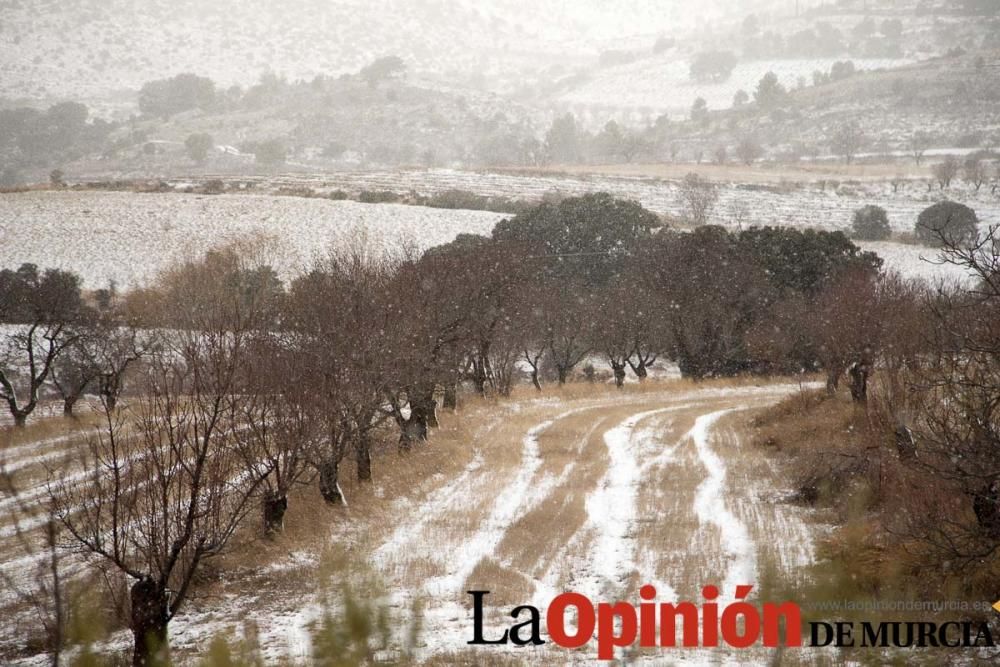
[{"x": 598, "y": 496}]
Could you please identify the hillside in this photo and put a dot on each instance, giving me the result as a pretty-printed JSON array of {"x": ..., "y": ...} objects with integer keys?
[
  {"x": 91, "y": 49},
  {"x": 874, "y": 36}
]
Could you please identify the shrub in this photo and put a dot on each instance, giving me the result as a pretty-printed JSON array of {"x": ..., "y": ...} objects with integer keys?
[
  {"x": 871, "y": 224},
  {"x": 378, "y": 197},
  {"x": 166, "y": 97},
  {"x": 10, "y": 177},
  {"x": 713, "y": 66},
  {"x": 271, "y": 152},
  {"x": 947, "y": 222},
  {"x": 338, "y": 195},
  {"x": 198, "y": 145}
]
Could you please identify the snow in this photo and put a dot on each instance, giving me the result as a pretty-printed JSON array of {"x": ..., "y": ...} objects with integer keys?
[
  {"x": 107, "y": 236},
  {"x": 130, "y": 237},
  {"x": 916, "y": 262},
  {"x": 814, "y": 200},
  {"x": 611, "y": 510},
  {"x": 710, "y": 508}
]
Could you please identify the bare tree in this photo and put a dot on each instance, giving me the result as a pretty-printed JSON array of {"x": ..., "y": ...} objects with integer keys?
[
  {"x": 958, "y": 431},
  {"x": 43, "y": 306},
  {"x": 281, "y": 431},
  {"x": 104, "y": 347},
  {"x": 748, "y": 150},
  {"x": 976, "y": 172},
  {"x": 169, "y": 482},
  {"x": 169, "y": 493},
  {"x": 945, "y": 172},
  {"x": 848, "y": 140},
  {"x": 342, "y": 322},
  {"x": 699, "y": 196},
  {"x": 919, "y": 143},
  {"x": 567, "y": 311}
]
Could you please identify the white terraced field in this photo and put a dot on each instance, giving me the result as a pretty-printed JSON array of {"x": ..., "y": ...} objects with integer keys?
[
  {"x": 598, "y": 491},
  {"x": 129, "y": 237},
  {"x": 814, "y": 204}
]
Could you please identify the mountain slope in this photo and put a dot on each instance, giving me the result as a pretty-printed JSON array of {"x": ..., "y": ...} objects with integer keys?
[{"x": 87, "y": 48}]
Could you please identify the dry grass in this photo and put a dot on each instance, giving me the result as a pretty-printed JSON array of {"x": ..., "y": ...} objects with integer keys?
[
  {"x": 571, "y": 442},
  {"x": 680, "y": 549},
  {"x": 508, "y": 586}
]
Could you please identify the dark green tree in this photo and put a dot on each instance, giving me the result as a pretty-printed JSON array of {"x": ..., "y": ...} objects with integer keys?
[
  {"x": 588, "y": 238},
  {"x": 947, "y": 223}
]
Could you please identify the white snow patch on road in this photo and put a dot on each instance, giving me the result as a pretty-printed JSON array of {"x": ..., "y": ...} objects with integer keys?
[
  {"x": 611, "y": 510},
  {"x": 710, "y": 508}
]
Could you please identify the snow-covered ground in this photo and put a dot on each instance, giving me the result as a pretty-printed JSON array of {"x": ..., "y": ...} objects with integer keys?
[
  {"x": 128, "y": 237},
  {"x": 821, "y": 202}
]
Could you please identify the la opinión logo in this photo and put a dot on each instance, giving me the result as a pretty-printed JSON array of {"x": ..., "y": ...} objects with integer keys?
[
  {"x": 654, "y": 625},
  {"x": 573, "y": 620}
]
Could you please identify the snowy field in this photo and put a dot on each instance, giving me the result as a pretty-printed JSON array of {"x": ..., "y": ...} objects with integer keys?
[
  {"x": 822, "y": 205},
  {"x": 129, "y": 237}
]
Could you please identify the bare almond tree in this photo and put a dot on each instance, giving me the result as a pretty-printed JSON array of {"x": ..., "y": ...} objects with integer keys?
[
  {"x": 698, "y": 196},
  {"x": 945, "y": 172},
  {"x": 168, "y": 481},
  {"x": 43, "y": 306},
  {"x": 848, "y": 140},
  {"x": 168, "y": 485},
  {"x": 919, "y": 143},
  {"x": 975, "y": 172}
]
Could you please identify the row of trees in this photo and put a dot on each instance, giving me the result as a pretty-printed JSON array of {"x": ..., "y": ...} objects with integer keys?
[{"x": 979, "y": 169}]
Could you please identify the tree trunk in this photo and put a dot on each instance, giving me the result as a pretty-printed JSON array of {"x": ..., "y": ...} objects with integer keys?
[
  {"x": 413, "y": 429},
  {"x": 479, "y": 376},
  {"x": 20, "y": 419},
  {"x": 832, "y": 381},
  {"x": 906, "y": 447},
  {"x": 274, "y": 506},
  {"x": 986, "y": 505},
  {"x": 619, "y": 371},
  {"x": 639, "y": 368},
  {"x": 423, "y": 409},
  {"x": 363, "y": 458},
  {"x": 149, "y": 623},
  {"x": 450, "y": 401},
  {"x": 563, "y": 373},
  {"x": 69, "y": 402},
  {"x": 534, "y": 379},
  {"x": 328, "y": 486},
  {"x": 111, "y": 388},
  {"x": 859, "y": 381}
]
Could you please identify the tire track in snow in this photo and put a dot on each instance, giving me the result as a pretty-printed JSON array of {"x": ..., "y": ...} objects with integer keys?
[
  {"x": 710, "y": 507},
  {"x": 516, "y": 497},
  {"x": 612, "y": 509}
]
